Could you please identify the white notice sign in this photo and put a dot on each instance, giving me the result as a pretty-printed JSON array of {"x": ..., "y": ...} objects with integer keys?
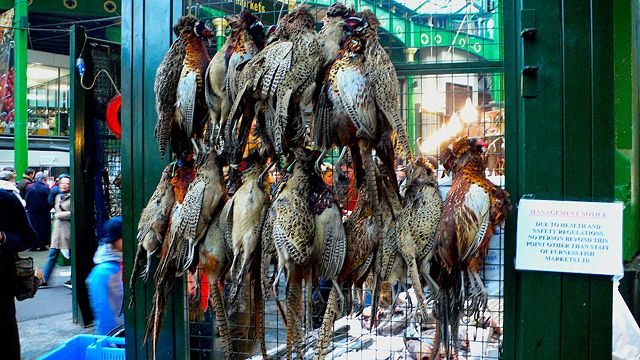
[{"x": 570, "y": 236}]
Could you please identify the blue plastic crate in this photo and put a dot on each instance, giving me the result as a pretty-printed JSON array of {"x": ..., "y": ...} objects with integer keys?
[
  {"x": 88, "y": 347},
  {"x": 107, "y": 348}
]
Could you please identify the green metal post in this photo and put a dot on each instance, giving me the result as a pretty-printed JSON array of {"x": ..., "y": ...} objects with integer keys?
[
  {"x": 497, "y": 85},
  {"x": 410, "y": 111},
  {"x": 220, "y": 24},
  {"x": 20, "y": 86},
  {"x": 411, "y": 123}
]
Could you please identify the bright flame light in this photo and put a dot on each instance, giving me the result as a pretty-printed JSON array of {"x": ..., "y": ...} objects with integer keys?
[
  {"x": 447, "y": 131},
  {"x": 469, "y": 113}
]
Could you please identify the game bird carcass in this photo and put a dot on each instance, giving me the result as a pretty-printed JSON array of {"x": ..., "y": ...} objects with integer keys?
[
  {"x": 179, "y": 89},
  {"x": 474, "y": 207}
]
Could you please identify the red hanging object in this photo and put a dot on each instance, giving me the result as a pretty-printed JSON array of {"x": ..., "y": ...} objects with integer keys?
[{"x": 113, "y": 116}]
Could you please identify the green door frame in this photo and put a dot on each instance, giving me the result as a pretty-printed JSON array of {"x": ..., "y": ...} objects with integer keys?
[{"x": 83, "y": 170}]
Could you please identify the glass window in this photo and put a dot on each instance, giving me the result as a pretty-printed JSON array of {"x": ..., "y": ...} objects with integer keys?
[{"x": 48, "y": 100}]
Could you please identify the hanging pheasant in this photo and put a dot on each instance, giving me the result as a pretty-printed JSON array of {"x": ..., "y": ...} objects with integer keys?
[
  {"x": 417, "y": 224},
  {"x": 179, "y": 89},
  {"x": 247, "y": 38},
  {"x": 474, "y": 207},
  {"x": 268, "y": 254},
  {"x": 183, "y": 174},
  {"x": 380, "y": 71},
  {"x": 388, "y": 265},
  {"x": 277, "y": 84},
  {"x": 360, "y": 254},
  {"x": 345, "y": 112},
  {"x": 198, "y": 207},
  {"x": 152, "y": 226},
  {"x": 244, "y": 217},
  {"x": 215, "y": 261},
  {"x": 293, "y": 233}
]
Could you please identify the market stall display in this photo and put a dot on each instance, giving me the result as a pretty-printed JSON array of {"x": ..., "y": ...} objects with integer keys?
[{"x": 213, "y": 207}]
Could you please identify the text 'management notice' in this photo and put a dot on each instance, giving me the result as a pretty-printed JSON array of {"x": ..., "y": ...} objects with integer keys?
[{"x": 570, "y": 236}]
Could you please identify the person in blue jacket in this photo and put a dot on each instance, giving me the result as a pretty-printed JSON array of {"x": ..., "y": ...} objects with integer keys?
[{"x": 105, "y": 286}]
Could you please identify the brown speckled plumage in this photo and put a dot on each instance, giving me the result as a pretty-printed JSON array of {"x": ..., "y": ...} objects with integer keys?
[
  {"x": 179, "y": 90},
  {"x": 152, "y": 226},
  {"x": 246, "y": 40},
  {"x": 417, "y": 225},
  {"x": 214, "y": 260},
  {"x": 384, "y": 79}
]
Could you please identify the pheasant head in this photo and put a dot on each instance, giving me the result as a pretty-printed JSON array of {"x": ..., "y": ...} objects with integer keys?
[
  {"x": 299, "y": 19},
  {"x": 333, "y": 33},
  {"x": 422, "y": 172},
  {"x": 466, "y": 145},
  {"x": 371, "y": 19},
  {"x": 340, "y": 10},
  {"x": 203, "y": 31},
  {"x": 254, "y": 27},
  {"x": 185, "y": 25}
]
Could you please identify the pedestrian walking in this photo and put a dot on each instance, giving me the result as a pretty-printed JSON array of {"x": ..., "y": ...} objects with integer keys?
[
  {"x": 15, "y": 235},
  {"x": 55, "y": 189},
  {"x": 61, "y": 236},
  {"x": 27, "y": 179},
  {"x": 105, "y": 286},
  {"x": 39, "y": 212},
  {"x": 8, "y": 182}
]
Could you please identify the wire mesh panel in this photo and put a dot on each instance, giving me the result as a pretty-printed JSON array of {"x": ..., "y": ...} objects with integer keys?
[
  {"x": 104, "y": 75},
  {"x": 443, "y": 49}
]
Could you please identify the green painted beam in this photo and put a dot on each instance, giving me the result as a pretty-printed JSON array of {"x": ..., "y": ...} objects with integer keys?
[
  {"x": 209, "y": 12},
  {"x": 113, "y": 34},
  {"x": 409, "y": 33},
  {"x": 92, "y": 8},
  {"x": 21, "y": 157}
]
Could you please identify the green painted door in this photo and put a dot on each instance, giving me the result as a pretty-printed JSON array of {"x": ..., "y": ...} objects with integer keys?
[
  {"x": 146, "y": 36},
  {"x": 559, "y": 93}
]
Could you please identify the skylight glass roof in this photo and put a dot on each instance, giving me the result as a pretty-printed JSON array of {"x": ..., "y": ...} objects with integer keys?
[{"x": 440, "y": 7}]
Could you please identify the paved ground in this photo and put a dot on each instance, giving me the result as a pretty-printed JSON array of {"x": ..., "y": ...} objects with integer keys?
[{"x": 45, "y": 321}]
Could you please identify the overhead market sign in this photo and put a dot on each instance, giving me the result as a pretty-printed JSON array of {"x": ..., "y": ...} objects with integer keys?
[{"x": 569, "y": 236}]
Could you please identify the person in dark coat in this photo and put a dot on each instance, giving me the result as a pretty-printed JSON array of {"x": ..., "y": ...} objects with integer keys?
[
  {"x": 15, "y": 235},
  {"x": 55, "y": 189},
  {"x": 39, "y": 212},
  {"x": 27, "y": 179}
]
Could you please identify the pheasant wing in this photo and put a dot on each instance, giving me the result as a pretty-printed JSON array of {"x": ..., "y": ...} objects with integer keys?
[
  {"x": 166, "y": 82},
  {"x": 473, "y": 220},
  {"x": 277, "y": 62},
  {"x": 232, "y": 73},
  {"x": 323, "y": 128},
  {"x": 354, "y": 94},
  {"x": 186, "y": 100},
  {"x": 188, "y": 223}
]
